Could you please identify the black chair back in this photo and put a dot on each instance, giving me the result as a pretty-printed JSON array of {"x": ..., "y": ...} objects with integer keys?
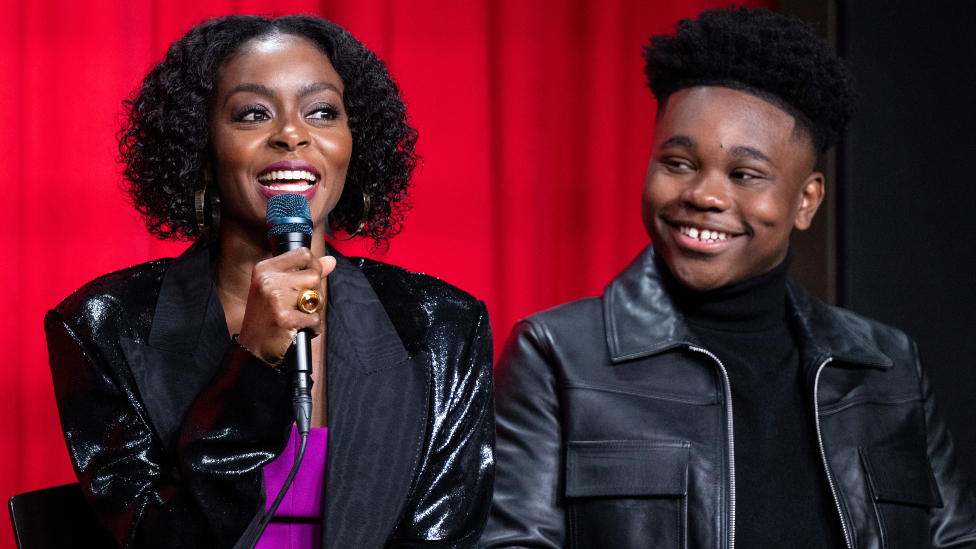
[{"x": 57, "y": 518}]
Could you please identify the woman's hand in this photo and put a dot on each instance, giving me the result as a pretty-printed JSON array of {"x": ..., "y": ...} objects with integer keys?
[{"x": 271, "y": 317}]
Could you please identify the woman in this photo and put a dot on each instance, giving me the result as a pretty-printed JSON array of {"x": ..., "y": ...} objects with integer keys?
[{"x": 169, "y": 420}]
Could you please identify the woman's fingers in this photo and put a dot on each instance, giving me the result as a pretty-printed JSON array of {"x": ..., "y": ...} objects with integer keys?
[
  {"x": 328, "y": 264},
  {"x": 272, "y": 317},
  {"x": 295, "y": 260}
]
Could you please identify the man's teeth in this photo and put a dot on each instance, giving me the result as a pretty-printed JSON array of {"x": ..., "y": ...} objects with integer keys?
[
  {"x": 289, "y": 175},
  {"x": 704, "y": 235}
]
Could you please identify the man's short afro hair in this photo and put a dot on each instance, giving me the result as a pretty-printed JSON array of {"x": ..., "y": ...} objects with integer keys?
[{"x": 776, "y": 58}]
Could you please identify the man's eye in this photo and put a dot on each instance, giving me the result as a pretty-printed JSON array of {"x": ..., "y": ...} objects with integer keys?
[
  {"x": 677, "y": 164},
  {"x": 743, "y": 175}
]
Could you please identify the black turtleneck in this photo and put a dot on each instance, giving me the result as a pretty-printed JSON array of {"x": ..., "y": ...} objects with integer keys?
[{"x": 783, "y": 498}]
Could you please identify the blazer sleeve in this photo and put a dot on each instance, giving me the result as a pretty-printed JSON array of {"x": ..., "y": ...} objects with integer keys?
[
  {"x": 210, "y": 490},
  {"x": 451, "y": 494},
  {"x": 954, "y": 524},
  {"x": 528, "y": 508}
]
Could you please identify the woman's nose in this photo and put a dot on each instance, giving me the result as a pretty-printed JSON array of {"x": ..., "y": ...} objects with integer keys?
[
  {"x": 708, "y": 191},
  {"x": 290, "y": 134}
]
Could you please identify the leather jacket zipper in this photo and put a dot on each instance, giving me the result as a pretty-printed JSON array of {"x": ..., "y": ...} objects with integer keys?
[
  {"x": 728, "y": 407},
  {"x": 823, "y": 454}
]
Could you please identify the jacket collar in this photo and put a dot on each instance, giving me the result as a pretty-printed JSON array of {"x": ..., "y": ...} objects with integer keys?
[{"x": 641, "y": 320}]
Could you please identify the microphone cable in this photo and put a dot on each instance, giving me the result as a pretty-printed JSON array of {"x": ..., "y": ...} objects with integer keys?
[{"x": 281, "y": 494}]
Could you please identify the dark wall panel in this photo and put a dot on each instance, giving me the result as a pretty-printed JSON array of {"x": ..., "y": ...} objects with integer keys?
[{"x": 907, "y": 198}]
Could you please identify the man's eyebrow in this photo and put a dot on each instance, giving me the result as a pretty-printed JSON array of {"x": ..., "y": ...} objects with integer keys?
[
  {"x": 741, "y": 151},
  {"x": 259, "y": 89},
  {"x": 680, "y": 141}
]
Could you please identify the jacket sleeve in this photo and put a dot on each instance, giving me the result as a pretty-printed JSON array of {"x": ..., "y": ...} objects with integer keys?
[
  {"x": 954, "y": 524},
  {"x": 205, "y": 495},
  {"x": 528, "y": 508},
  {"x": 451, "y": 494}
]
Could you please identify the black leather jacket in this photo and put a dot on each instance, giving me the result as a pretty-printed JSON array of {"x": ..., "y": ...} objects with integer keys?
[
  {"x": 614, "y": 429},
  {"x": 168, "y": 421}
]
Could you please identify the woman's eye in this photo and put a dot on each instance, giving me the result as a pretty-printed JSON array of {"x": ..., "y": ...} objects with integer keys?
[
  {"x": 252, "y": 114},
  {"x": 324, "y": 112}
]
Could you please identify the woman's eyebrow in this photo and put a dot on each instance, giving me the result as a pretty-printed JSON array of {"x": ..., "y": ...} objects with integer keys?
[
  {"x": 259, "y": 89},
  {"x": 317, "y": 86}
]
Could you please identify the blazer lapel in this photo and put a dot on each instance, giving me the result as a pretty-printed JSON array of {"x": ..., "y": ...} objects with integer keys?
[
  {"x": 186, "y": 340},
  {"x": 378, "y": 403}
]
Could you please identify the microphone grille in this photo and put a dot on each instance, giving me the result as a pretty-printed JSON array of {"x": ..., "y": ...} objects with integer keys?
[{"x": 283, "y": 209}]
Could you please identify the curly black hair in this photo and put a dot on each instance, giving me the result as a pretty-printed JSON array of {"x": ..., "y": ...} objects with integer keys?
[
  {"x": 777, "y": 58},
  {"x": 165, "y": 137}
]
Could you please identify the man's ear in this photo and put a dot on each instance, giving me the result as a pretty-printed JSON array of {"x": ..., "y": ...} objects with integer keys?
[{"x": 811, "y": 195}]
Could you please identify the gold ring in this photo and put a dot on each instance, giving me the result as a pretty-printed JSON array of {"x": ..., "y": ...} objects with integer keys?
[{"x": 308, "y": 301}]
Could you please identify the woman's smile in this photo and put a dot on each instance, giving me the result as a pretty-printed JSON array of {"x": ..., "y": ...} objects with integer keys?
[{"x": 289, "y": 176}]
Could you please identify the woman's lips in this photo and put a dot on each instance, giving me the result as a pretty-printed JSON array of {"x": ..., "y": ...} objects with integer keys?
[{"x": 289, "y": 176}]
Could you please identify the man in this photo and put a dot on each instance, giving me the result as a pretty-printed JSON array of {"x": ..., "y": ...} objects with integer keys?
[{"x": 706, "y": 400}]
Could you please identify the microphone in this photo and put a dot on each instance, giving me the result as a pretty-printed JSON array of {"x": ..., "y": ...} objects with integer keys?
[{"x": 290, "y": 228}]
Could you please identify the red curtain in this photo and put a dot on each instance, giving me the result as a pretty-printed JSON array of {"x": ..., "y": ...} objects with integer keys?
[{"x": 535, "y": 127}]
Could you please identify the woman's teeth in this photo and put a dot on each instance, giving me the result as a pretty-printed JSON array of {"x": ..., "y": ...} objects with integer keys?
[
  {"x": 704, "y": 235},
  {"x": 291, "y": 176}
]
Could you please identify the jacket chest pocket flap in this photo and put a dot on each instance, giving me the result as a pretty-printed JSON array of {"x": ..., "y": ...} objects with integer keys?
[
  {"x": 901, "y": 477},
  {"x": 626, "y": 468},
  {"x": 627, "y": 493},
  {"x": 904, "y": 491}
]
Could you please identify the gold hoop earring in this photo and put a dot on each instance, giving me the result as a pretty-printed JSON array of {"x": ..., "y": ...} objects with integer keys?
[
  {"x": 201, "y": 201},
  {"x": 362, "y": 221}
]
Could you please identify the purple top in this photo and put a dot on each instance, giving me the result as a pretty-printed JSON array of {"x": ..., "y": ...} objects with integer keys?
[{"x": 302, "y": 505}]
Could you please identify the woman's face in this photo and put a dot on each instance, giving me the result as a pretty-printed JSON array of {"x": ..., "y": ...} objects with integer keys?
[{"x": 278, "y": 125}]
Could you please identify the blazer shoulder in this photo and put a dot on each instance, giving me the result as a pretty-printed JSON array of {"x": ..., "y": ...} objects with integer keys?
[
  {"x": 124, "y": 298},
  {"x": 394, "y": 280},
  {"x": 420, "y": 305}
]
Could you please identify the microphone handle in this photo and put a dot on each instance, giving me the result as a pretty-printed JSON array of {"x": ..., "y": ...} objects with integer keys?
[
  {"x": 298, "y": 359},
  {"x": 300, "y": 371}
]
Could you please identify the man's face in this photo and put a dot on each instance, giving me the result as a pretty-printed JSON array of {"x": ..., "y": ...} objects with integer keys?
[{"x": 729, "y": 178}]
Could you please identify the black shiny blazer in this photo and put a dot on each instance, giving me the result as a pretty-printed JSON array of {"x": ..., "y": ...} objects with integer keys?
[{"x": 168, "y": 421}]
